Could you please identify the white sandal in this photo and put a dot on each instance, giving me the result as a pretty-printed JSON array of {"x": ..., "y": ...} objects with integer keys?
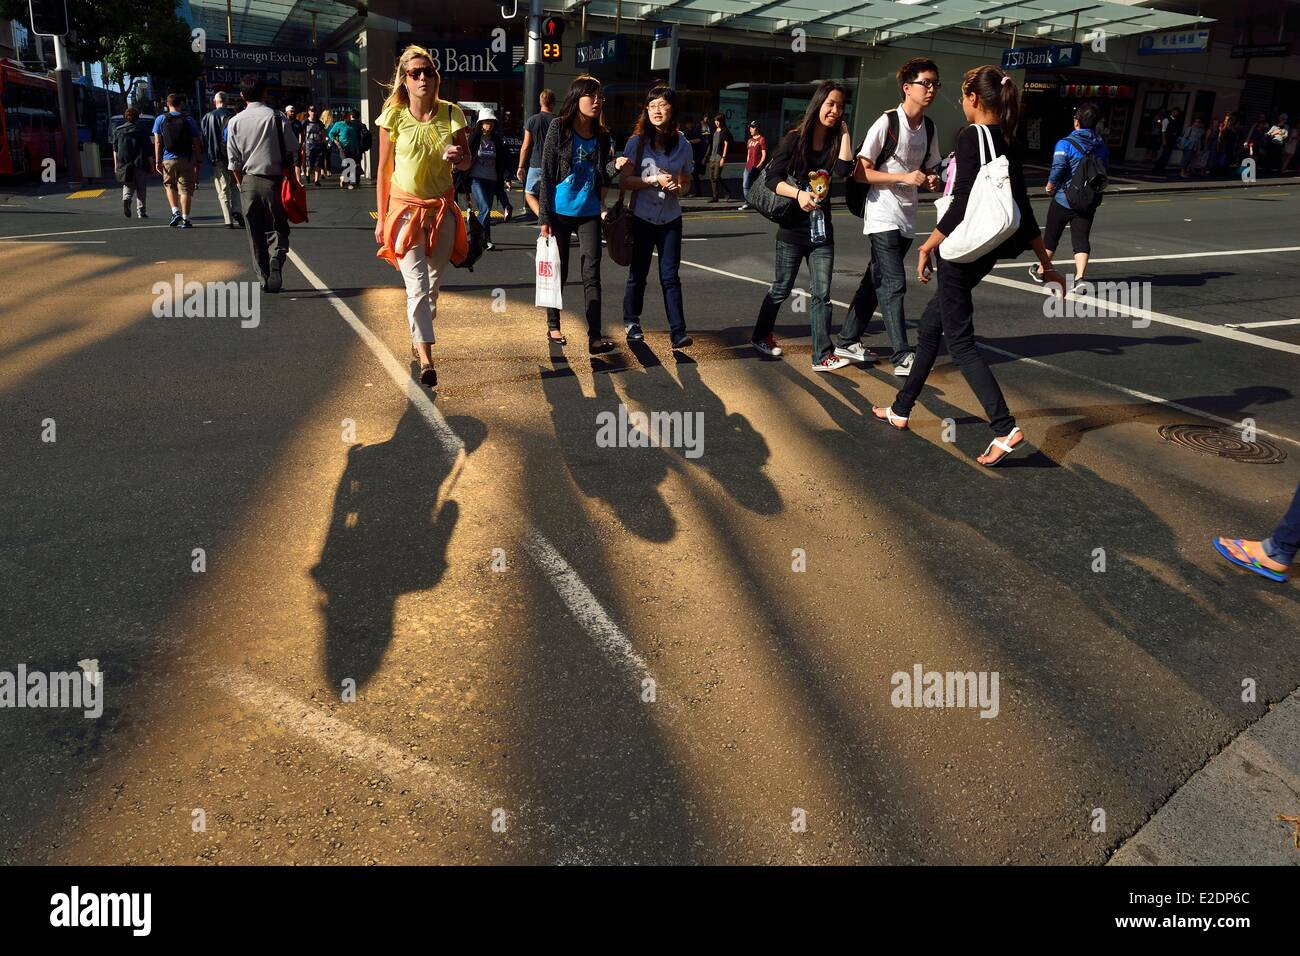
[
  {"x": 1005, "y": 445},
  {"x": 898, "y": 422}
]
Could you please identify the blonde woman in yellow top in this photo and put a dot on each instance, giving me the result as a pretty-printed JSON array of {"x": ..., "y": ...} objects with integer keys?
[{"x": 420, "y": 228}]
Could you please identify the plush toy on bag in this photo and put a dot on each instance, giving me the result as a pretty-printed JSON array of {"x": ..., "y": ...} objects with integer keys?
[
  {"x": 819, "y": 184},
  {"x": 548, "y": 274}
]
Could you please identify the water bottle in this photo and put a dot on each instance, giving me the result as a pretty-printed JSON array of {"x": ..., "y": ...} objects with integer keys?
[{"x": 817, "y": 226}]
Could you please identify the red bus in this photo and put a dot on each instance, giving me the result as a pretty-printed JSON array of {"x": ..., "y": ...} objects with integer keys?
[{"x": 30, "y": 130}]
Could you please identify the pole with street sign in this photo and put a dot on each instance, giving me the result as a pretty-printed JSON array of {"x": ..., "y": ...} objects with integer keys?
[
  {"x": 534, "y": 72},
  {"x": 50, "y": 19}
]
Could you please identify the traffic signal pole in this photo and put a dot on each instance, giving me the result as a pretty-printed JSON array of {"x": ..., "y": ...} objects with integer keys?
[
  {"x": 534, "y": 75},
  {"x": 67, "y": 112}
]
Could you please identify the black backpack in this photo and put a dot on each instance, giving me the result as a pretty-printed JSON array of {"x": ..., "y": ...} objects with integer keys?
[
  {"x": 855, "y": 193},
  {"x": 1084, "y": 190},
  {"x": 177, "y": 137}
]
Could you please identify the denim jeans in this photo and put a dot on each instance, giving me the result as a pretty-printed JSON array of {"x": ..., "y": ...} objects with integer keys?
[
  {"x": 821, "y": 263},
  {"x": 483, "y": 191},
  {"x": 647, "y": 237},
  {"x": 746, "y": 178},
  {"x": 950, "y": 315},
  {"x": 1285, "y": 541},
  {"x": 884, "y": 282}
]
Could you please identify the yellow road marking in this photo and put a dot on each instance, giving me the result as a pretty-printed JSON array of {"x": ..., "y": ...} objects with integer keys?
[
  {"x": 1213, "y": 198},
  {"x": 1152, "y": 200},
  {"x": 374, "y": 215},
  {"x": 86, "y": 194}
]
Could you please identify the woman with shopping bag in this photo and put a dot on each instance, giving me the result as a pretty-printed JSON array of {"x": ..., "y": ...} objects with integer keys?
[
  {"x": 420, "y": 227},
  {"x": 572, "y": 200},
  {"x": 985, "y": 217}
]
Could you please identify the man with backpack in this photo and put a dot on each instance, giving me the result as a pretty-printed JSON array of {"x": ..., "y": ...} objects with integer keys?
[
  {"x": 892, "y": 164},
  {"x": 131, "y": 160},
  {"x": 1077, "y": 180},
  {"x": 214, "y": 144},
  {"x": 313, "y": 144},
  {"x": 178, "y": 151}
]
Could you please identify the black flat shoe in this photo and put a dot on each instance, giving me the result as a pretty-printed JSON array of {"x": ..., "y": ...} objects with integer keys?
[
  {"x": 600, "y": 346},
  {"x": 558, "y": 340},
  {"x": 428, "y": 376}
]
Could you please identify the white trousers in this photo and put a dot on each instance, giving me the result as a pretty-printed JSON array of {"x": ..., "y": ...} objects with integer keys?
[
  {"x": 227, "y": 191},
  {"x": 422, "y": 275}
]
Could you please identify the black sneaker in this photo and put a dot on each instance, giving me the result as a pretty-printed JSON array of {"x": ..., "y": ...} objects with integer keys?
[
  {"x": 274, "y": 280},
  {"x": 186, "y": 224},
  {"x": 239, "y": 221},
  {"x": 176, "y": 219},
  {"x": 1035, "y": 274},
  {"x": 142, "y": 214},
  {"x": 126, "y": 208},
  {"x": 634, "y": 333},
  {"x": 682, "y": 341}
]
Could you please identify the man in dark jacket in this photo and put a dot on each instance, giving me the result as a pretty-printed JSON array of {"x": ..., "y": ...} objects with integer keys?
[
  {"x": 214, "y": 146},
  {"x": 132, "y": 160}
]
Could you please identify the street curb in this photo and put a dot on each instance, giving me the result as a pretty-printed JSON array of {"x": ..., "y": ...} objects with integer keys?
[{"x": 1226, "y": 813}]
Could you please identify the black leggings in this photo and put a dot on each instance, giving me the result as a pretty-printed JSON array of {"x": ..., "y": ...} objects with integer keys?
[
  {"x": 588, "y": 230},
  {"x": 950, "y": 315},
  {"x": 1080, "y": 227}
]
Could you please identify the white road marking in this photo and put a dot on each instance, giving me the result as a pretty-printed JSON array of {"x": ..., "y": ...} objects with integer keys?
[
  {"x": 1205, "y": 328},
  {"x": 343, "y": 738},
  {"x": 1263, "y": 325},
  {"x": 1025, "y": 263},
  {"x": 82, "y": 232},
  {"x": 1133, "y": 393},
  {"x": 582, "y": 604},
  {"x": 55, "y": 242}
]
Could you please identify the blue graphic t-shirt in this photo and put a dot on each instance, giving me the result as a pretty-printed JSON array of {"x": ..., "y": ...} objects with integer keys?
[{"x": 578, "y": 194}]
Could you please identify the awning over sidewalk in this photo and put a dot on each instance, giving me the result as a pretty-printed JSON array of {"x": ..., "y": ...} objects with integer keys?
[
  {"x": 280, "y": 23},
  {"x": 881, "y": 21}
]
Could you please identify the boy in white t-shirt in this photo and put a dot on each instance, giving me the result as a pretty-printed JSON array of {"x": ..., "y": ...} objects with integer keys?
[{"x": 907, "y": 159}]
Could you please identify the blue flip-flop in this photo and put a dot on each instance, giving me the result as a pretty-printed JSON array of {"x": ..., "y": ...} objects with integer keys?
[{"x": 1252, "y": 564}]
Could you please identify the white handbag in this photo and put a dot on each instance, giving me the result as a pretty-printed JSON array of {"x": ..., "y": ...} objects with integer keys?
[{"x": 992, "y": 216}]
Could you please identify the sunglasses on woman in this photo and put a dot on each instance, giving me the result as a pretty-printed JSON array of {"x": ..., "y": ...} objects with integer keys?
[{"x": 420, "y": 72}]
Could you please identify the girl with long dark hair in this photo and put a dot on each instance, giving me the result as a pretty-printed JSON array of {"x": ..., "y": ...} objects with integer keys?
[
  {"x": 657, "y": 170},
  {"x": 991, "y": 100},
  {"x": 816, "y": 151},
  {"x": 572, "y": 196}
]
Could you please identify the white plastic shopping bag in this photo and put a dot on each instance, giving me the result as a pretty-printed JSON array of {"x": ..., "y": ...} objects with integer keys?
[{"x": 548, "y": 273}]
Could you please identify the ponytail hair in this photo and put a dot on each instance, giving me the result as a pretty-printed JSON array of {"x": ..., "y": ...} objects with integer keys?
[{"x": 998, "y": 94}]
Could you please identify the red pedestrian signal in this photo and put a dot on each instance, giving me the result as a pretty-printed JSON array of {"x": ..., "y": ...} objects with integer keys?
[{"x": 553, "y": 28}]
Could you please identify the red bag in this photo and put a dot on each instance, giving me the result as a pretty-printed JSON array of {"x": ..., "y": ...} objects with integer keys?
[{"x": 292, "y": 194}]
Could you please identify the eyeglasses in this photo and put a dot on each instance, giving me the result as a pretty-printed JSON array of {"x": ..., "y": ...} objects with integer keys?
[
  {"x": 929, "y": 84},
  {"x": 420, "y": 72}
]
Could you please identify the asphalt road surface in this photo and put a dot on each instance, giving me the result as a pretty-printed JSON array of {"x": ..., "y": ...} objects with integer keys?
[{"x": 563, "y": 652}]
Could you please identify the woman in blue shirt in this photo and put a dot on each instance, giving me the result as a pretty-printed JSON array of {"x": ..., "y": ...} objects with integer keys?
[
  {"x": 572, "y": 196},
  {"x": 657, "y": 168}
]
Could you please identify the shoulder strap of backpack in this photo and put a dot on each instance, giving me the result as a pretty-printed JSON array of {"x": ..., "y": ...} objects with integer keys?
[
  {"x": 1078, "y": 144},
  {"x": 891, "y": 139}
]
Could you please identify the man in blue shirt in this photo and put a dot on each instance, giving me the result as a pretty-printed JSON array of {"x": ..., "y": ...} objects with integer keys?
[
  {"x": 178, "y": 150},
  {"x": 1069, "y": 153}
]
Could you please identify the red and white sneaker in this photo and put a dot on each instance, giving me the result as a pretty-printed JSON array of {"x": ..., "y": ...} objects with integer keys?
[
  {"x": 830, "y": 363},
  {"x": 767, "y": 345}
]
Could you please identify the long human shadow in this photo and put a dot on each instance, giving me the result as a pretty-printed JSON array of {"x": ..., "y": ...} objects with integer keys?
[
  {"x": 587, "y": 748},
  {"x": 730, "y": 448},
  {"x": 627, "y": 479},
  {"x": 386, "y": 538},
  {"x": 1053, "y": 520}
]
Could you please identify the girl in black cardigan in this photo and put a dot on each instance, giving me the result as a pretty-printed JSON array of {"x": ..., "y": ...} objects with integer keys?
[{"x": 989, "y": 98}]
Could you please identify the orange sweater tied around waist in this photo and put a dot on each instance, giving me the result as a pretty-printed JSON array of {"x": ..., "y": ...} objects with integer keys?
[{"x": 400, "y": 237}]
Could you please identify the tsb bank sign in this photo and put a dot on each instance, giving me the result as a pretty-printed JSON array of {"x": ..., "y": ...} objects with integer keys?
[{"x": 484, "y": 59}]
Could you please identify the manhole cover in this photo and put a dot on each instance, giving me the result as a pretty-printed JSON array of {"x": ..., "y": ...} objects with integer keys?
[{"x": 1224, "y": 443}]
